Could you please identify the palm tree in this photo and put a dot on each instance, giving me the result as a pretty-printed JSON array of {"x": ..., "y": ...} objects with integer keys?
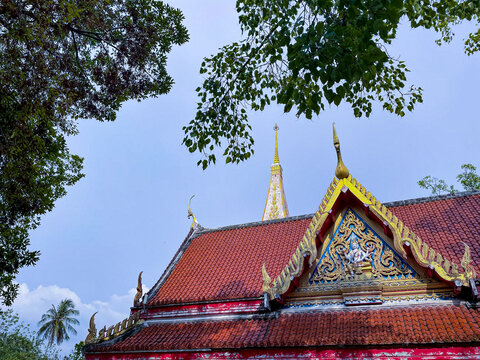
[{"x": 56, "y": 323}]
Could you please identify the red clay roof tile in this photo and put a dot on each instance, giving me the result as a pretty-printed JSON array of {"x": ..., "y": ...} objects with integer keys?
[
  {"x": 226, "y": 264},
  {"x": 385, "y": 326}
]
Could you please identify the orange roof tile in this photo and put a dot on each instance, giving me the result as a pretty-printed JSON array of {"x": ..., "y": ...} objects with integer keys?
[
  {"x": 226, "y": 263},
  {"x": 442, "y": 224},
  {"x": 335, "y": 328}
]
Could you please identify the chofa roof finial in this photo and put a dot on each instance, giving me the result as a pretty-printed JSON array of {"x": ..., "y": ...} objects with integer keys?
[
  {"x": 190, "y": 213},
  {"x": 138, "y": 295},
  {"x": 92, "y": 330},
  {"x": 341, "y": 172}
]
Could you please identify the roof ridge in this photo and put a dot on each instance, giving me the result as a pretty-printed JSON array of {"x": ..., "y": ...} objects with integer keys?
[
  {"x": 254, "y": 223},
  {"x": 426, "y": 199},
  {"x": 306, "y": 216}
]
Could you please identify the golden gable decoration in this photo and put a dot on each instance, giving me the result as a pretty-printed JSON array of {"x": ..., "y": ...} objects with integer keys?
[
  {"x": 402, "y": 236},
  {"x": 356, "y": 249}
]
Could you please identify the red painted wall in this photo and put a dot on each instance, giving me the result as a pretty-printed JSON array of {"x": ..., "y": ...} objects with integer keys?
[{"x": 377, "y": 354}]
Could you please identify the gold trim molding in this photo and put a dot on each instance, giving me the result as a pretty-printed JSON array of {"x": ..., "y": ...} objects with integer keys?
[{"x": 113, "y": 331}]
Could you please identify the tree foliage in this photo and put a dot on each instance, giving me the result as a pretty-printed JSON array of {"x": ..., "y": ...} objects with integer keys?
[
  {"x": 17, "y": 342},
  {"x": 35, "y": 167},
  {"x": 62, "y": 61},
  {"x": 307, "y": 54},
  {"x": 435, "y": 185},
  {"x": 77, "y": 353},
  {"x": 56, "y": 324},
  {"x": 469, "y": 179}
]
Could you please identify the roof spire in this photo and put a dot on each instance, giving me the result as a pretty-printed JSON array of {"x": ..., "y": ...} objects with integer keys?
[
  {"x": 276, "y": 204},
  {"x": 341, "y": 172},
  {"x": 275, "y": 157}
]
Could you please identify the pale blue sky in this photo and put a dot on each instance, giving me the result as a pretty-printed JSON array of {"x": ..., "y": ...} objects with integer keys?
[{"x": 129, "y": 213}]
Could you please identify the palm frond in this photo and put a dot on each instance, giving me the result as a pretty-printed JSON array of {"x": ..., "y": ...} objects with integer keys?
[{"x": 56, "y": 323}]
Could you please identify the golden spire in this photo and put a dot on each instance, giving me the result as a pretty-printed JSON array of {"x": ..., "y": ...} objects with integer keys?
[
  {"x": 276, "y": 160},
  {"x": 276, "y": 204},
  {"x": 341, "y": 172}
]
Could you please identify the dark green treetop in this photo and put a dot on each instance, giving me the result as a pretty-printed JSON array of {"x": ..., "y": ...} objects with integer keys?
[{"x": 62, "y": 61}]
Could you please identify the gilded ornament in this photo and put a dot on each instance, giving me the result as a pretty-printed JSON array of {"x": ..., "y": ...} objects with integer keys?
[
  {"x": 276, "y": 160},
  {"x": 114, "y": 330},
  {"x": 190, "y": 213},
  {"x": 138, "y": 295},
  {"x": 356, "y": 244},
  {"x": 341, "y": 172},
  {"x": 102, "y": 333},
  {"x": 92, "y": 330},
  {"x": 402, "y": 237},
  {"x": 466, "y": 263},
  {"x": 274, "y": 208},
  {"x": 266, "y": 280}
]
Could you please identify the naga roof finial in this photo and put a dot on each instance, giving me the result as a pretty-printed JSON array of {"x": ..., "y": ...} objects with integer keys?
[
  {"x": 190, "y": 213},
  {"x": 138, "y": 295},
  {"x": 467, "y": 263},
  {"x": 92, "y": 330},
  {"x": 276, "y": 160},
  {"x": 341, "y": 172}
]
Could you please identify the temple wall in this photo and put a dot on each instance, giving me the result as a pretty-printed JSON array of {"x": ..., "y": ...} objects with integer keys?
[{"x": 414, "y": 353}]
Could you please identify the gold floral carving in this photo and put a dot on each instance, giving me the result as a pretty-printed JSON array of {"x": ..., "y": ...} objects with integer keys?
[
  {"x": 274, "y": 208},
  {"x": 384, "y": 261},
  {"x": 402, "y": 236}
]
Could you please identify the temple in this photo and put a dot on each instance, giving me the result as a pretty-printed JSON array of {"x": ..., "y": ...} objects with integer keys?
[{"x": 355, "y": 279}]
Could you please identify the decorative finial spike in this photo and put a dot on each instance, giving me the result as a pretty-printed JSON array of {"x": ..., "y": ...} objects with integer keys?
[
  {"x": 276, "y": 204},
  {"x": 92, "y": 330},
  {"x": 466, "y": 262},
  {"x": 190, "y": 213},
  {"x": 138, "y": 295},
  {"x": 341, "y": 172},
  {"x": 276, "y": 160}
]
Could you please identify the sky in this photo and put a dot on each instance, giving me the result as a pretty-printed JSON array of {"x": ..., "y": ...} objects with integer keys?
[{"x": 129, "y": 213}]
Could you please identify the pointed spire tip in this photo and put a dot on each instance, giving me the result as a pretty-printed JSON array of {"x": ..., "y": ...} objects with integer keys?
[{"x": 276, "y": 160}]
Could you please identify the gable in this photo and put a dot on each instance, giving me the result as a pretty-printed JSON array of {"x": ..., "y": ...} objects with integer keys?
[
  {"x": 357, "y": 264},
  {"x": 354, "y": 238},
  {"x": 408, "y": 246}
]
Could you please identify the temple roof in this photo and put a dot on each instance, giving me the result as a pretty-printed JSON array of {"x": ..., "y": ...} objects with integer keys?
[
  {"x": 356, "y": 273},
  {"x": 422, "y": 325},
  {"x": 225, "y": 263}
]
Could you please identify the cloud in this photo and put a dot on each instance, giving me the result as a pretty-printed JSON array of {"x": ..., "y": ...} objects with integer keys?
[{"x": 32, "y": 304}]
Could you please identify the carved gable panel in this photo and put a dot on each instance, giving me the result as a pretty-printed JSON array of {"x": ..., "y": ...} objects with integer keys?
[
  {"x": 356, "y": 248},
  {"x": 359, "y": 266}
]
